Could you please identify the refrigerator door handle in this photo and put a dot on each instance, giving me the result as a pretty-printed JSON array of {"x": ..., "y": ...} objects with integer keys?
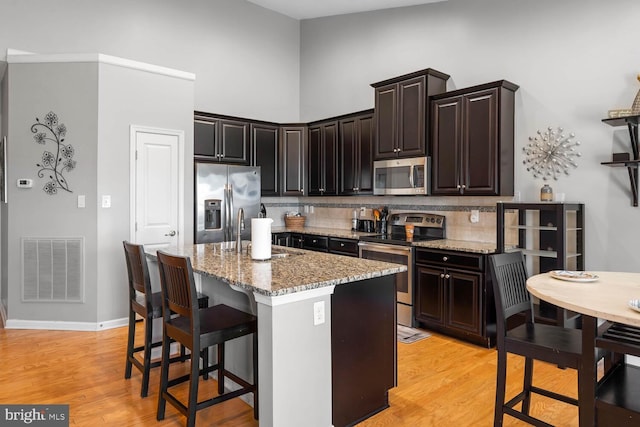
[
  {"x": 231, "y": 213},
  {"x": 227, "y": 214}
]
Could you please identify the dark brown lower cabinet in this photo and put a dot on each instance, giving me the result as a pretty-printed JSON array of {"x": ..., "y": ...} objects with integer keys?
[
  {"x": 363, "y": 349},
  {"x": 453, "y": 295}
]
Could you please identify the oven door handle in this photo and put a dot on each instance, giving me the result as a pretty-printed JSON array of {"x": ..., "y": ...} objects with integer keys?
[{"x": 389, "y": 249}]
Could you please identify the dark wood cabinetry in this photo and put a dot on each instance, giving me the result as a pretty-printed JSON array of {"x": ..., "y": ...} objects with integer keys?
[
  {"x": 402, "y": 113},
  {"x": 452, "y": 295},
  {"x": 264, "y": 153},
  {"x": 293, "y": 160},
  {"x": 323, "y": 148},
  {"x": 313, "y": 242},
  {"x": 216, "y": 138},
  {"x": 473, "y": 140},
  {"x": 551, "y": 236},
  {"x": 355, "y": 154}
]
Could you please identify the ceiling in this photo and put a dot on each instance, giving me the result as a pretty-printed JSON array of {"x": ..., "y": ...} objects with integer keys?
[{"x": 308, "y": 9}]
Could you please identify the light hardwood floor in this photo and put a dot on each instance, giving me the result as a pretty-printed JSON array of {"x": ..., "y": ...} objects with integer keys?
[{"x": 441, "y": 382}]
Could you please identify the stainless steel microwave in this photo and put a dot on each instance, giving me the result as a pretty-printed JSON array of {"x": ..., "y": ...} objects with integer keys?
[{"x": 402, "y": 176}]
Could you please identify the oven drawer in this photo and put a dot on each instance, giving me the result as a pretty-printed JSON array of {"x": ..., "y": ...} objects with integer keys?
[{"x": 465, "y": 260}]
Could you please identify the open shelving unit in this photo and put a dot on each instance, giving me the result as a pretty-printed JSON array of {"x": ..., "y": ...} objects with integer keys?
[
  {"x": 630, "y": 163},
  {"x": 551, "y": 236}
]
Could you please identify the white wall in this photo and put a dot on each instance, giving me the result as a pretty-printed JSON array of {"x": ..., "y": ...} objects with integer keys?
[
  {"x": 245, "y": 57},
  {"x": 573, "y": 60}
]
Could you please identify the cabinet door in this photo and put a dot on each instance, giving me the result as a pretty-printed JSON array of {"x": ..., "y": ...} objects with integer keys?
[
  {"x": 464, "y": 304},
  {"x": 281, "y": 239},
  {"x": 264, "y": 141},
  {"x": 293, "y": 150},
  {"x": 316, "y": 168},
  {"x": 233, "y": 144},
  {"x": 329, "y": 157},
  {"x": 386, "y": 102},
  {"x": 204, "y": 138},
  {"x": 430, "y": 302},
  {"x": 480, "y": 143},
  {"x": 447, "y": 137},
  {"x": 364, "y": 154},
  {"x": 348, "y": 157},
  {"x": 411, "y": 117}
]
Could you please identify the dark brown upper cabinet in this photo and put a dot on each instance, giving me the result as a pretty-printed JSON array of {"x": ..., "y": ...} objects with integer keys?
[
  {"x": 264, "y": 153},
  {"x": 473, "y": 140},
  {"x": 220, "y": 139},
  {"x": 323, "y": 149},
  {"x": 355, "y": 154},
  {"x": 402, "y": 113},
  {"x": 293, "y": 160}
]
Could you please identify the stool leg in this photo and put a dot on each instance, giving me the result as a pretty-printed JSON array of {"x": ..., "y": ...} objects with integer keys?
[
  {"x": 130, "y": 343},
  {"x": 194, "y": 377},
  {"x": 501, "y": 381},
  {"x": 528, "y": 375},
  {"x": 204, "y": 354},
  {"x": 220, "y": 368},
  {"x": 148, "y": 336},
  {"x": 164, "y": 376}
]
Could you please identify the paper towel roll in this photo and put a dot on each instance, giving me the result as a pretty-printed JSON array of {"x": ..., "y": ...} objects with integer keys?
[{"x": 261, "y": 238}]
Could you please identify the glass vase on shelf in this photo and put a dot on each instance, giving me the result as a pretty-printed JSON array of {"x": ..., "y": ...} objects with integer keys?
[{"x": 546, "y": 193}]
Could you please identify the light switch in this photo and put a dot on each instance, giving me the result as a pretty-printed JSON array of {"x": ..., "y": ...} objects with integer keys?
[
  {"x": 81, "y": 201},
  {"x": 318, "y": 313},
  {"x": 106, "y": 201}
]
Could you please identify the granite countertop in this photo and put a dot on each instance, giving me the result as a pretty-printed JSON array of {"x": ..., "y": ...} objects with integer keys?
[
  {"x": 289, "y": 270},
  {"x": 445, "y": 244}
]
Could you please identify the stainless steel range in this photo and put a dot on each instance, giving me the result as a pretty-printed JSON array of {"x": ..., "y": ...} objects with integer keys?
[{"x": 395, "y": 247}]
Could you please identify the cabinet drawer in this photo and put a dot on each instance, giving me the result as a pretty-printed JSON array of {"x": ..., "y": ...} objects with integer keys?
[
  {"x": 343, "y": 246},
  {"x": 468, "y": 261},
  {"x": 316, "y": 243}
]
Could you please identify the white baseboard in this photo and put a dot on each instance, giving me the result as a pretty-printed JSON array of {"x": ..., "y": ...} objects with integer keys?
[{"x": 65, "y": 326}]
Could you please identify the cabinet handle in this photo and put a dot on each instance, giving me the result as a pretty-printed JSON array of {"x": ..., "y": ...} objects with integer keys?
[
  {"x": 445, "y": 258},
  {"x": 342, "y": 245},
  {"x": 458, "y": 186},
  {"x": 464, "y": 186},
  {"x": 442, "y": 275},
  {"x": 446, "y": 276}
]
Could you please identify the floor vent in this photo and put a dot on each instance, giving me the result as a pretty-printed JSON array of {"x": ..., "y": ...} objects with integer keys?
[{"x": 53, "y": 269}]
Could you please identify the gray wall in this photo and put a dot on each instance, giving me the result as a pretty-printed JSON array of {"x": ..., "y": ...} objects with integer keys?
[
  {"x": 573, "y": 60},
  {"x": 70, "y": 91}
]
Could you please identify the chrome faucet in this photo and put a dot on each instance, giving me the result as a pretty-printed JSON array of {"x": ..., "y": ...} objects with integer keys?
[{"x": 239, "y": 228}]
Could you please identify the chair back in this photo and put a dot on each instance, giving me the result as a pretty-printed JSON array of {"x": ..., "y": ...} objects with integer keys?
[
  {"x": 138, "y": 271},
  {"x": 178, "y": 290},
  {"x": 509, "y": 277}
]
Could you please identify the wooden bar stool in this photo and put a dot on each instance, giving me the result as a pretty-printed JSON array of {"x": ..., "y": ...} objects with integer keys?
[
  {"x": 198, "y": 329},
  {"x": 148, "y": 305}
]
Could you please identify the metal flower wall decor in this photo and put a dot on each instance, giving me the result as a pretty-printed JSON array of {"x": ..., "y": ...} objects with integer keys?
[
  {"x": 551, "y": 154},
  {"x": 55, "y": 164}
]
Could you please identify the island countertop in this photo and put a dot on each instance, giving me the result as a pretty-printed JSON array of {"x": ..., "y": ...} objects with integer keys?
[{"x": 288, "y": 271}]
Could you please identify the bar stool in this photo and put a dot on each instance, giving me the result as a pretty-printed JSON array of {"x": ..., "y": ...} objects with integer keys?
[
  {"x": 198, "y": 329},
  {"x": 148, "y": 305}
]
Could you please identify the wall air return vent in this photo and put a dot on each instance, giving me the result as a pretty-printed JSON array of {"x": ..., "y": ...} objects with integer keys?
[{"x": 53, "y": 269}]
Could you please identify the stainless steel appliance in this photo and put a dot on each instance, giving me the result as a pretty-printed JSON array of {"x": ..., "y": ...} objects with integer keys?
[
  {"x": 395, "y": 247},
  {"x": 220, "y": 190},
  {"x": 402, "y": 176}
]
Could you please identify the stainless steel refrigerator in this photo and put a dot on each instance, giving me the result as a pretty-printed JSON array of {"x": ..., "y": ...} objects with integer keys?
[{"x": 220, "y": 191}]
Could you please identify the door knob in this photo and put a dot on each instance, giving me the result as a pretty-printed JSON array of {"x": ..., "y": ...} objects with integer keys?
[{"x": 171, "y": 233}]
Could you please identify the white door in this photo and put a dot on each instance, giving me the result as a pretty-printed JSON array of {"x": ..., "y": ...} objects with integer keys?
[{"x": 157, "y": 183}]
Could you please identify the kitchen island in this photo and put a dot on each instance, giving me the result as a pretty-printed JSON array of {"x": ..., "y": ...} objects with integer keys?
[{"x": 326, "y": 329}]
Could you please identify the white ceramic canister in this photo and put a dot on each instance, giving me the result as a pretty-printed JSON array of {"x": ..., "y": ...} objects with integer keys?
[{"x": 261, "y": 238}]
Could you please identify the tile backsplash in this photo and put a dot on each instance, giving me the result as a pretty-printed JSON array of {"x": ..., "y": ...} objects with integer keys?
[{"x": 336, "y": 212}]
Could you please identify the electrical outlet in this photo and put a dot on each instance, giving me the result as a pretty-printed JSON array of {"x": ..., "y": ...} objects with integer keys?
[
  {"x": 318, "y": 313},
  {"x": 475, "y": 216},
  {"x": 106, "y": 201},
  {"x": 81, "y": 201}
]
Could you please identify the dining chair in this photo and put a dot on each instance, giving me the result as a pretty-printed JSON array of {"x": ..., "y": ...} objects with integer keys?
[
  {"x": 534, "y": 341},
  {"x": 198, "y": 329},
  {"x": 148, "y": 306}
]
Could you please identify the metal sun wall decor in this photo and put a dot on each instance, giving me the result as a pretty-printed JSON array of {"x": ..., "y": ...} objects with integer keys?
[
  {"x": 54, "y": 164},
  {"x": 551, "y": 153}
]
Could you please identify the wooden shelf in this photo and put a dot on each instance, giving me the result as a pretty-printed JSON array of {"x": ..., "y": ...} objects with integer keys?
[
  {"x": 618, "y": 397},
  {"x": 632, "y": 164},
  {"x": 622, "y": 121}
]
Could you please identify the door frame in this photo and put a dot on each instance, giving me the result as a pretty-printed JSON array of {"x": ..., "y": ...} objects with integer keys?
[{"x": 133, "y": 185}]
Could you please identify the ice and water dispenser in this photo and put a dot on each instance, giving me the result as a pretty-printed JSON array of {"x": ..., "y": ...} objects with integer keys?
[{"x": 212, "y": 214}]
